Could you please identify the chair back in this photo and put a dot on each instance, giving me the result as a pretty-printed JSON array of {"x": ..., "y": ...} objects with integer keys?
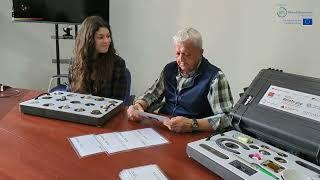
[
  {"x": 58, "y": 87},
  {"x": 129, "y": 98}
]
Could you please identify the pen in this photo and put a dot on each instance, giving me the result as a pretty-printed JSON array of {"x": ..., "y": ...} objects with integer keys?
[
  {"x": 261, "y": 169},
  {"x": 257, "y": 166}
]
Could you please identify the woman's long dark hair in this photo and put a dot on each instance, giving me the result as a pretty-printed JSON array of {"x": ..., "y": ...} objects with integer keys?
[{"x": 90, "y": 70}]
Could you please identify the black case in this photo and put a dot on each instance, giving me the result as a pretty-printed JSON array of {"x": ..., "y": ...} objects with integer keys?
[{"x": 293, "y": 133}]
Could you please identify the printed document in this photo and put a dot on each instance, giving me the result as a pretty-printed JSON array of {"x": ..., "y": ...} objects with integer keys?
[
  {"x": 86, "y": 145},
  {"x": 128, "y": 140},
  {"x": 152, "y": 116},
  {"x": 150, "y": 172}
]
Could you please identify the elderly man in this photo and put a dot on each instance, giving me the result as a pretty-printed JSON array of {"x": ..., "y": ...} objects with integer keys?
[{"x": 197, "y": 94}]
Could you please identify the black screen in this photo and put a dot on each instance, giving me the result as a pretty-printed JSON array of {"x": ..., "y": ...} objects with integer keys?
[{"x": 59, "y": 11}]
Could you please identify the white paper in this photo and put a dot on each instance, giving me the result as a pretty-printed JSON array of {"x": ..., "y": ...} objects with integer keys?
[
  {"x": 86, "y": 145},
  {"x": 150, "y": 172},
  {"x": 294, "y": 102},
  {"x": 150, "y": 136},
  {"x": 112, "y": 142},
  {"x": 127, "y": 140},
  {"x": 152, "y": 116}
]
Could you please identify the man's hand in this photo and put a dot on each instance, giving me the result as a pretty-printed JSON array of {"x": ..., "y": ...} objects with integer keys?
[
  {"x": 179, "y": 124},
  {"x": 131, "y": 111}
]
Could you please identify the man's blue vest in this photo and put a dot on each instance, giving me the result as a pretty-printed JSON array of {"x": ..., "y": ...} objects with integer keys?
[{"x": 191, "y": 101}]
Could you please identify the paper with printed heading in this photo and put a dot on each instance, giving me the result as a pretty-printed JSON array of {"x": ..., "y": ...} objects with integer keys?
[
  {"x": 150, "y": 172},
  {"x": 295, "y": 102},
  {"x": 86, "y": 145},
  {"x": 128, "y": 140}
]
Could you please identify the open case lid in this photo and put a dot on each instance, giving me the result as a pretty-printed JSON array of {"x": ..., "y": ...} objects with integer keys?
[{"x": 284, "y": 110}]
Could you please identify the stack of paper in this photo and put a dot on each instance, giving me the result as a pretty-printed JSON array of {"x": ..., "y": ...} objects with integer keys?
[{"x": 116, "y": 142}]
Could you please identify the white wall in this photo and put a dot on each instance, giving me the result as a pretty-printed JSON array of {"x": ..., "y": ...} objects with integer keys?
[{"x": 240, "y": 37}]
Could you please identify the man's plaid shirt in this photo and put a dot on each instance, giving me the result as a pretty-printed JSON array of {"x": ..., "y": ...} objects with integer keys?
[{"x": 219, "y": 96}]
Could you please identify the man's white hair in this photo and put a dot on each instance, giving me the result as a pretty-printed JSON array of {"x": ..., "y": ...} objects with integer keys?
[{"x": 188, "y": 34}]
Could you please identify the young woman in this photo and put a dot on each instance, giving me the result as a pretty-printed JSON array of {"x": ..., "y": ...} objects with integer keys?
[{"x": 96, "y": 68}]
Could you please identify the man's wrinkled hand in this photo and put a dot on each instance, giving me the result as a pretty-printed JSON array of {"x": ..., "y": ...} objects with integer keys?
[
  {"x": 132, "y": 114},
  {"x": 179, "y": 124}
]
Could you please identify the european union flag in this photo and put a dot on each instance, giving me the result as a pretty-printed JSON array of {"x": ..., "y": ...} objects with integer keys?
[{"x": 307, "y": 21}]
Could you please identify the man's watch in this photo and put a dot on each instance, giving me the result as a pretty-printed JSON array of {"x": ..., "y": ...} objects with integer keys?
[{"x": 194, "y": 125}]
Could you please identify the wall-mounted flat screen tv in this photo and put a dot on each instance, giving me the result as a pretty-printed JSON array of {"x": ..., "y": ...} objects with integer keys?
[{"x": 58, "y": 11}]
